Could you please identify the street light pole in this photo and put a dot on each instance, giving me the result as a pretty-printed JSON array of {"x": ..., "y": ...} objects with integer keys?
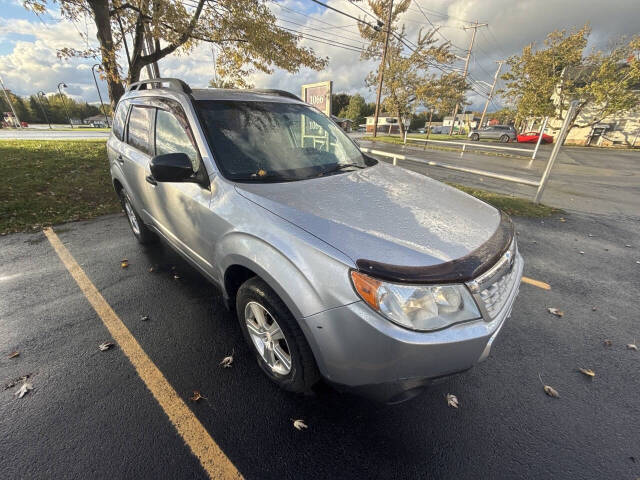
[
  {"x": 466, "y": 65},
  {"x": 64, "y": 104},
  {"x": 381, "y": 72},
  {"x": 44, "y": 112},
  {"x": 6, "y": 95},
  {"x": 493, "y": 86},
  {"x": 104, "y": 111}
]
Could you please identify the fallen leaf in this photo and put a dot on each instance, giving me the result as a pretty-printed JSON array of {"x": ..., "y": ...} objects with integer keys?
[
  {"x": 299, "y": 424},
  {"x": 562, "y": 220},
  {"x": 144, "y": 318},
  {"x": 632, "y": 346},
  {"x": 152, "y": 269},
  {"x": 588, "y": 372},
  {"x": 607, "y": 343},
  {"x": 555, "y": 311},
  {"x": 628, "y": 246},
  {"x": 227, "y": 361},
  {"x": 15, "y": 381},
  {"x": 197, "y": 396},
  {"x": 590, "y": 235},
  {"x": 581, "y": 252},
  {"x": 176, "y": 276},
  {"x": 24, "y": 389},
  {"x": 452, "y": 400},
  {"x": 105, "y": 346},
  {"x": 551, "y": 391},
  {"x": 14, "y": 354},
  {"x": 593, "y": 309},
  {"x": 124, "y": 263}
]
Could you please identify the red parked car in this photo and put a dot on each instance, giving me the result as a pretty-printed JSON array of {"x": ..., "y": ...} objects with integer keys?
[{"x": 532, "y": 137}]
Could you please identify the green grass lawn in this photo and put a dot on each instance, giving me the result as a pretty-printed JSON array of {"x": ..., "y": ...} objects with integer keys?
[
  {"x": 517, "y": 206},
  {"x": 45, "y": 182}
]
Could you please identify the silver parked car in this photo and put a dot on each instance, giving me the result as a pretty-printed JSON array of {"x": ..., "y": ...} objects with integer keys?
[
  {"x": 341, "y": 267},
  {"x": 503, "y": 133}
]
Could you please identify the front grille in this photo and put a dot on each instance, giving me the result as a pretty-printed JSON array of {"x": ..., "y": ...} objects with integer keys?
[{"x": 497, "y": 293}]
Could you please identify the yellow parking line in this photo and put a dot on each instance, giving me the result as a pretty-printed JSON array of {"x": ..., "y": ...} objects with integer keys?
[
  {"x": 212, "y": 459},
  {"x": 536, "y": 283}
]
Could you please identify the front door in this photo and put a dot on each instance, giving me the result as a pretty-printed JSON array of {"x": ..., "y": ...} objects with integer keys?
[{"x": 180, "y": 210}]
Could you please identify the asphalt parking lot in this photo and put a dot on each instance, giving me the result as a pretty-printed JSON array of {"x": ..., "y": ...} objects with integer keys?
[{"x": 90, "y": 414}]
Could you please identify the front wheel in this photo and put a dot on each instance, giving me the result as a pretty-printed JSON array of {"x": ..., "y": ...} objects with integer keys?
[
  {"x": 272, "y": 332},
  {"x": 504, "y": 138}
]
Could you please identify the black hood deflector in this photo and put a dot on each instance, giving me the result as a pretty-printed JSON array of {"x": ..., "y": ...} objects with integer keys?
[{"x": 461, "y": 269}]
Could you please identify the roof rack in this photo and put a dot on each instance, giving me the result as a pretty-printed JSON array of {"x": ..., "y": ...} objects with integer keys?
[
  {"x": 172, "y": 84},
  {"x": 271, "y": 91}
]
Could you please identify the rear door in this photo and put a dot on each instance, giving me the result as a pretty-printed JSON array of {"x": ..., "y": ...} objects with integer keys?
[
  {"x": 180, "y": 210},
  {"x": 136, "y": 155}
]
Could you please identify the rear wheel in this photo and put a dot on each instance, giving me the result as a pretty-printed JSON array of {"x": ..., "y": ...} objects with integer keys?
[
  {"x": 272, "y": 332},
  {"x": 142, "y": 233},
  {"x": 475, "y": 137},
  {"x": 504, "y": 138}
]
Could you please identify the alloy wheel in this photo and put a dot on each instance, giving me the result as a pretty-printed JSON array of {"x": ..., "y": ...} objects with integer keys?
[
  {"x": 131, "y": 215},
  {"x": 268, "y": 338}
]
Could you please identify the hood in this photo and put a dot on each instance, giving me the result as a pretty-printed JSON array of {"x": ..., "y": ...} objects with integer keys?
[{"x": 383, "y": 214}]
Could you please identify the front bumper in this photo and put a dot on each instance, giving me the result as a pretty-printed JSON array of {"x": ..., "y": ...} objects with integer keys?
[{"x": 358, "y": 350}]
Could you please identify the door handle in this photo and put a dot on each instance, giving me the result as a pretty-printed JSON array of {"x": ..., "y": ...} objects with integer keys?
[
  {"x": 120, "y": 160},
  {"x": 151, "y": 180}
]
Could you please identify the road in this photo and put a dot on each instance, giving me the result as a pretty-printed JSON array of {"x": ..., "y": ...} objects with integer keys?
[
  {"x": 588, "y": 180},
  {"x": 91, "y": 416},
  {"x": 43, "y": 134}
]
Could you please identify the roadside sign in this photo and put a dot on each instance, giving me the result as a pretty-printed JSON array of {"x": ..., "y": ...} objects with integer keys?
[{"x": 318, "y": 95}]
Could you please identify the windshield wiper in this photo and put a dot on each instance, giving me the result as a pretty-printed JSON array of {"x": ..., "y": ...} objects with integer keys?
[{"x": 342, "y": 166}]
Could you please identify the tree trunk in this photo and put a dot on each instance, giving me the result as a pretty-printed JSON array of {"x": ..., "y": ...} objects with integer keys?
[
  {"x": 401, "y": 124},
  {"x": 102, "y": 20}
]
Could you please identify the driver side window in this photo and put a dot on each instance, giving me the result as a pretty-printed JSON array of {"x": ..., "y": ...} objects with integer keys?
[{"x": 171, "y": 137}]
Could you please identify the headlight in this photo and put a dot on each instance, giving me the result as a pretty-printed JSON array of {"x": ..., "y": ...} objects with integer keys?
[{"x": 418, "y": 307}]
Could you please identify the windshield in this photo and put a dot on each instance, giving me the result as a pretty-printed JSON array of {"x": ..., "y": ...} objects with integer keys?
[{"x": 272, "y": 141}]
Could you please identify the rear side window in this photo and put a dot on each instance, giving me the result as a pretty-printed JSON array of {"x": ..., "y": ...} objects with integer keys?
[
  {"x": 140, "y": 128},
  {"x": 120, "y": 118},
  {"x": 171, "y": 137}
]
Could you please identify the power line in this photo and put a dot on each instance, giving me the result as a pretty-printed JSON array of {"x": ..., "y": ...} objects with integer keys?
[
  {"x": 328, "y": 41},
  {"x": 362, "y": 10},
  {"x": 313, "y": 19},
  {"x": 375, "y": 27},
  {"x": 317, "y": 29}
]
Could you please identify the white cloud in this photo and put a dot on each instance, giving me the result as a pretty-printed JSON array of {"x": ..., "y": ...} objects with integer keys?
[{"x": 33, "y": 65}]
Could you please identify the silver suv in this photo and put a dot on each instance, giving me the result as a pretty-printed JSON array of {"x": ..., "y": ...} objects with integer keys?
[
  {"x": 503, "y": 133},
  {"x": 341, "y": 267}
]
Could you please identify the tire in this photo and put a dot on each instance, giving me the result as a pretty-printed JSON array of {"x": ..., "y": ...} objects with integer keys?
[
  {"x": 504, "y": 139},
  {"x": 142, "y": 233},
  {"x": 475, "y": 137},
  {"x": 254, "y": 295}
]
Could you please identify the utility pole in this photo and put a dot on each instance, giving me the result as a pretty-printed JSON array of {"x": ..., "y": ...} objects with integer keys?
[
  {"x": 475, "y": 27},
  {"x": 381, "y": 70},
  {"x": 493, "y": 86},
  {"x": 6, "y": 95}
]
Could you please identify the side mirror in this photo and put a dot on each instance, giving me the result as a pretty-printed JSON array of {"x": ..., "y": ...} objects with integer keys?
[{"x": 172, "y": 167}]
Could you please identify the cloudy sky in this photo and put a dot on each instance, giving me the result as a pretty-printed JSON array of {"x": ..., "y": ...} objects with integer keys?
[{"x": 28, "y": 44}]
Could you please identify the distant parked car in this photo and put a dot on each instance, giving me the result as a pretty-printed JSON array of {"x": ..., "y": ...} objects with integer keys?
[
  {"x": 422, "y": 130},
  {"x": 440, "y": 129},
  {"x": 24, "y": 124},
  {"x": 532, "y": 137},
  {"x": 504, "y": 133}
]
